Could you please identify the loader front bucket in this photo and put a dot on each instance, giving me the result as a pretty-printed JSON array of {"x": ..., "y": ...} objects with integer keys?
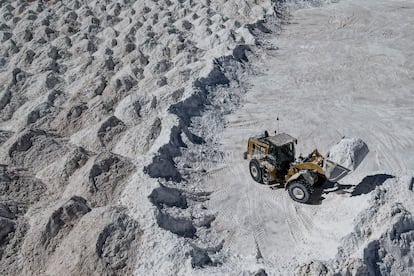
[
  {"x": 334, "y": 172},
  {"x": 344, "y": 157},
  {"x": 349, "y": 152}
]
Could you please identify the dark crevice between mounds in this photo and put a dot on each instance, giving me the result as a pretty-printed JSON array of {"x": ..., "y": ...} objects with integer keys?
[
  {"x": 371, "y": 257},
  {"x": 196, "y": 104},
  {"x": 35, "y": 149},
  {"x": 5, "y": 135},
  {"x": 64, "y": 218},
  {"x": 76, "y": 159},
  {"x": 6, "y": 212},
  {"x": 258, "y": 26},
  {"x": 200, "y": 258},
  {"x": 5, "y": 98},
  {"x": 7, "y": 229},
  {"x": 169, "y": 197},
  {"x": 239, "y": 53},
  {"x": 197, "y": 140},
  {"x": 24, "y": 142},
  {"x": 163, "y": 165},
  {"x": 19, "y": 188},
  {"x": 261, "y": 272},
  {"x": 110, "y": 131},
  {"x": 107, "y": 178},
  {"x": 180, "y": 226},
  {"x": 116, "y": 244}
]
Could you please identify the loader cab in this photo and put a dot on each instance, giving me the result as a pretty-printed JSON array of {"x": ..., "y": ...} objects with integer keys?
[
  {"x": 279, "y": 147},
  {"x": 284, "y": 153}
]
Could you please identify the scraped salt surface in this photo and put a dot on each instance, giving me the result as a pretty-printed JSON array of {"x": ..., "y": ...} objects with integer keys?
[{"x": 349, "y": 152}]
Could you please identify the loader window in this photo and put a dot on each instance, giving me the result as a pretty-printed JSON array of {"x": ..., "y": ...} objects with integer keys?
[
  {"x": 287, "y": 152},
  {"x": 273, "y": 152}
]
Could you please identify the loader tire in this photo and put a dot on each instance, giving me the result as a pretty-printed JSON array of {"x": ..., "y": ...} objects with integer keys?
[
  {"x": 299, "y": 191},
  {"x": 320, "y": 180},
  {"x": 255, "y": 171}
]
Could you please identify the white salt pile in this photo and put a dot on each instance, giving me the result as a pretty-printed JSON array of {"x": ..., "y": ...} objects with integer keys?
[{"x": 349, "y": 152}]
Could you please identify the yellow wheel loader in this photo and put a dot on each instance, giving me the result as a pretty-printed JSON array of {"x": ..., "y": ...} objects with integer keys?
[{"x": 272, "y": 162}]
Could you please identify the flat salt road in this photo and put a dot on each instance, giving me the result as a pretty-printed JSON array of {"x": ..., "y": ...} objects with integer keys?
[{"x": 345, "y": 69}]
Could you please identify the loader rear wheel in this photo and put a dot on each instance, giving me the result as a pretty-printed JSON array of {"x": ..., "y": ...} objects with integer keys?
[
  {"x": 256, "y": 171},
  {"x": 299, "y": 191}
]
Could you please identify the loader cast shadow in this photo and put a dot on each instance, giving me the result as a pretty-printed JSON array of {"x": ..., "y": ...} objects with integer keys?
[{"x": 367, "y": 185}]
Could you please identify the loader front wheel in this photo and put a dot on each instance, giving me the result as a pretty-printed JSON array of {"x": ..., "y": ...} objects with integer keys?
[
  {"x": 255, "y": 171},
  {"x": 299, "y": 191},
  {"x": 319, "y": 180}
]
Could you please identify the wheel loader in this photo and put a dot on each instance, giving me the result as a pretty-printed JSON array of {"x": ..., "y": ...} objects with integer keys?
[{"x": 272, "y": 162}]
